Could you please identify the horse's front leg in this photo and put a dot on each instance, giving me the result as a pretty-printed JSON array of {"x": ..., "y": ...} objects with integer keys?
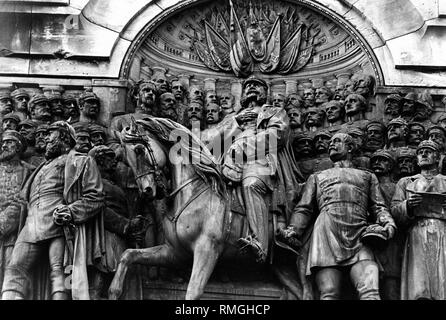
[
  {"x": 162, "y": 255},
  {"x": 206, "y": 253}
]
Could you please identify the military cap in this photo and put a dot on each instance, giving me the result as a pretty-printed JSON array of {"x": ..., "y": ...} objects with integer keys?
[
  {"x": 428, "y": 144},
  {"x": 11, "y": 116},
  {"x": 19, "y": 93},
  {"x": 442, "y": 117},
  {"x": 393, "y": 97},
  {"x": 54, "y": 96},
  {"x": 425, "y": 99},
  {"x": 254, "y": 79},
  {"x": 397, "y": 122},
  {"x": 352, "y": 130},
  {"x": 69, "y": 98},
  {"x": 42, "y": 128},
  {"x": 96, "y": 128},
  {"x": 65, "y": 126},
  {"x": 415, "y": 123},
  {"x": 435, "y": 126},
  {"x": 5, "y": 94},
  {"x": 324, "y": 133},
  {"x": 411, "y": 96},
  {"x": 302, "y": 136},
  {"x": 383, "y": 153},
  {"x": 147, "y": 84},
  {"x": 405, "y": 152},
  {"x": 80, "y": 126},
  {"x": 28, "y": 122},
  {"x": 35, "y": 99},
  {"x": 15, "y": 136},
  {"x": 375, "y": 123},
  {"x": 88, "y": 95},
  {"x": 100, "y": 151}
]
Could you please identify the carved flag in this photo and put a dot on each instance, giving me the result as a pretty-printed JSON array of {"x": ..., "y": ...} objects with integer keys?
[
  {"x": 218, "y": 48},
  {"x": 272, "y": 58},
  {"x": 290, "y": 52},
  {"x": 203, "y": 53},
  {"x": 255, "y": 37},
  {"x": 240, "y": 57}
]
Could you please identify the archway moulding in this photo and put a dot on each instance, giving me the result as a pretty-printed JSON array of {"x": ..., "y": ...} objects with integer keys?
[{"x": 396, "y": 34}]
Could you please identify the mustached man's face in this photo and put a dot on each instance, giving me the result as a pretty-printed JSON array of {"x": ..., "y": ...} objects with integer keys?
[{"x": 9, "y": 149}]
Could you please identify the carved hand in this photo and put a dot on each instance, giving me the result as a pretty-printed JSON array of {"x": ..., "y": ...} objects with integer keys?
[
  {"x": 414, "y": 201},
  {"x": 390, "y": 230},
  {"x": 62, "y": 216}
]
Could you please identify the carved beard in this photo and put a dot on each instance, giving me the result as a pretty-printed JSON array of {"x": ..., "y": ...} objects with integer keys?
[
  {"x": 147, "y": 107},
  {"x": 54, "y": 149},
  {"x": 7, "y": 155}
]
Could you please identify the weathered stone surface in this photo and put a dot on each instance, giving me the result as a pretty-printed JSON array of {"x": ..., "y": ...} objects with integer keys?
[
  {"x": 140, "y": 21},
  {"x": 113, "y": 14},
  {"x": 382, "y": 15}
]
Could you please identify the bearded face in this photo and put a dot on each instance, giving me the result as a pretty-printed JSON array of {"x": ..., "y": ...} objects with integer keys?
[
  {"x": 147, "y": 98},
  {"x": 406, "y": 166},
  {"x": 254, "y": 92},
  {"x": 28, "y": 132},
  {"x": 41, "y": 141},
  {"x": 56, "y": 146},
  {"x": 10, "y": 149},
  {"x": 57, "y": 107}
]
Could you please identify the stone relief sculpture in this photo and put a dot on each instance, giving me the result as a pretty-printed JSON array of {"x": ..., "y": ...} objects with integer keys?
[{"x": 256, "y": 145}]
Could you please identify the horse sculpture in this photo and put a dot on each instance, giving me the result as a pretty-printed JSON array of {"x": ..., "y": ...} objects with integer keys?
[{"x": 198, "y": 224}]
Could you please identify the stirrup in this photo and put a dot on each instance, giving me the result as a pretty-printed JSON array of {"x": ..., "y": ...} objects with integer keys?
[{"x": 254, "y": 245}]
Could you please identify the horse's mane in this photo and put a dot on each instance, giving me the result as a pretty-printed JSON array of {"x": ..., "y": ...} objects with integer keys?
[{"x": 203, "y": 162}]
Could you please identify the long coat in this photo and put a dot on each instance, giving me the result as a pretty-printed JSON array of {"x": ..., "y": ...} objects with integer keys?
[
  {"x": 83, "y": 194},
  {"x": 423, "y": 273}
]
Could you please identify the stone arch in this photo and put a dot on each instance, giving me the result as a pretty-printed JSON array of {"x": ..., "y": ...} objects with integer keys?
[{"x": 356, "y": 24}]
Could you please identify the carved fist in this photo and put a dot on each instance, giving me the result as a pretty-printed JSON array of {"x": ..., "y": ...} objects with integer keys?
[{"x": 62, "y": 216}]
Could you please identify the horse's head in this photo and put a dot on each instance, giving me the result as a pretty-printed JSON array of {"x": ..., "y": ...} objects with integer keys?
[{"x": 146, "y": 158}]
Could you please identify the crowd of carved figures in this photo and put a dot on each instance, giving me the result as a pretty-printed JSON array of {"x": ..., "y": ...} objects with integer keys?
[{"x": 48, "y": 130}]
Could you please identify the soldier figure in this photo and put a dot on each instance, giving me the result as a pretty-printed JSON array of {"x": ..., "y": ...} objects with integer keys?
[
  {"x": 83, "y": 139},
  {"x": 146, "y": 99},
  {"x": 309, "y": 98},
  {"x": 38, "y": 155},
  {"x": 56, "y": 106},
  {"x": 340, "y": 201},
  {"x": 293, "y": 101},
  {"x": 392, "y": 106},
  {"x": 6, "y": 105},
  {"x": 10, "y": 121},
  {"x": 321, "y": 142},
  {"x": 21, "y": 99},
  {"x": 303, "y": 148},
  {"x": 227, "y": 104},
  {"x": 65, "y": 189},
  {"x": 168, "y": 106},
  {"x": 364, "y": 85},
  {"x": 27, "y": 129},
  {"x": 13, "y": 173},
  {"x": 89, "y": 107},
  {"x": 98, "y": 135},
  {"x": 421, "y": 217},
  {"x": 295, "y": 116},
  {"x": 375, "y": 136},
  {"x": 416, "y": 134},
  {"x": 39, "y": 109},
  {"x": 71, "y": 109},
  {"x": 397, "y": 132},
  {"x": 335, "y": 112},
  {"x": 195, "y": 116},
  {"x": 382, "y": 163},
  {"x": 437, "y": 134},
  {"x": 408, "y": 107},
  {"x": 180, "y": 94},
  {"x": 256, "y": 175},
  {"x": 278, "y": 100},
  {"x": 406, "y": 161},
  {"x": 323, "y": 95},
  {"x": 314, "y": 118},
  {"x": 118, "y": 227},
  {"x": 355, "y": 107}
]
